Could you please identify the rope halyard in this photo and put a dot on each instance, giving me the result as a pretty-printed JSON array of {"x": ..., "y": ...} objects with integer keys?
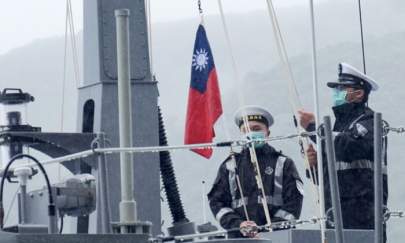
[
  {"x": 76, "y": 66},
  {"x": 252, "y": 150},
  {"x": 292, "y": 87},
  {"x": 296, "y": 104},
  {"x": 293, "y": 93},
  {"x": 69, "y": 32}
]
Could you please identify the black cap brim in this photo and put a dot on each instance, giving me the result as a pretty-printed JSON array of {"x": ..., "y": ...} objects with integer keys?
[{"x": 341, "y": 83}]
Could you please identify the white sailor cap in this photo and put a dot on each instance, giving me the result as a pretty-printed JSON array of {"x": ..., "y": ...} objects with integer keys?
[
  {"x": 350, "y": 76},
  {"x": 253, "y": 113}
]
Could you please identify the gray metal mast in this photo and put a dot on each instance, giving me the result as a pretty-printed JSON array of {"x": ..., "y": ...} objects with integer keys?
[
  {"x": 333, "y": 180},
  {"x": 378, "y": 179},
  {"x": 98, "y": 104}
]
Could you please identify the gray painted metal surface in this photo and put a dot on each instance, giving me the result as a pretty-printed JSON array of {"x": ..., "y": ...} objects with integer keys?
[
  {"x": 106, "y": 238},
  {"x": 333, "y": 180},
  {"x": 239, "y": 240},
  {"x": 102, "y": 188},
  {"x": 378, "y": 179},
  {"x": 314, "y": 236},
  {"x": 55, "y": 144},
  {"x": 100, "y": 86},
  {"x": 78, "y": 238},
  {"x": 36, "y": 205},
  {"x": 71, "y": 200},
  {"x": 99, "y": 39}
]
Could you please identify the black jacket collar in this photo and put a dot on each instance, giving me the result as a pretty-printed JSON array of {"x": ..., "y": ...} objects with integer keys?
[{"x": 348, "y": 111}]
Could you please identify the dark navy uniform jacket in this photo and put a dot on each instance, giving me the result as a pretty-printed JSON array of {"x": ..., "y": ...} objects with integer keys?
[
  {"x": 354, "y": 148},
  {"x": 282, "y": 185}
]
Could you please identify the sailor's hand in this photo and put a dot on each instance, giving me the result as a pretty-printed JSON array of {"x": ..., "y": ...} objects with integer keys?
[
  {"x": 312, "y": 157},
  {"x": 249, "y": 229},
  {"x": 305, "y": 118}
]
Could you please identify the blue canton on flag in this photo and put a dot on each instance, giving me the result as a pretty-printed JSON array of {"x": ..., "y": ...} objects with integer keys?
[{"x": 203, "y": 61}]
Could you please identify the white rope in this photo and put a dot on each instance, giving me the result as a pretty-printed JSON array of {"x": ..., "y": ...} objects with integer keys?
[
  {"x": 281, "y": 49},
  {"x": 62, "y": 108},
  {"x": 317, "y": 124},
  {"x": 293, "y": 93},
  {"x": 293, "y": 97},
  {"x": 76, "y": 66},
  {"x": 69, "y": 32},
  {"x": 73, "y": 43},
  {"x": 252, "y": 150}
]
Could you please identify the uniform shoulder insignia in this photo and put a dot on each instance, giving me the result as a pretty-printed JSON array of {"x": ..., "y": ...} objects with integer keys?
[{"x": 361, "y": 131}]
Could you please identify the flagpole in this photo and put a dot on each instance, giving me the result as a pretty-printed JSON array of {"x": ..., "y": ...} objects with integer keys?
[{"x": 317, "y": 123}]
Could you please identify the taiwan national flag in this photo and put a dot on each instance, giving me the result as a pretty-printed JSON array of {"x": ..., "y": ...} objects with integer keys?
[{"x": 204, "y": 99}]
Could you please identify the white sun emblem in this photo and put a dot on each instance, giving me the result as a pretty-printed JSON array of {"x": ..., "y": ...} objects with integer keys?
[{"x": 200, "y": 59}]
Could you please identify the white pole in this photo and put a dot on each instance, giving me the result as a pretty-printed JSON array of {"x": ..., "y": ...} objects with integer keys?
[
  {"x": 127, "y": 205},
  {"x": 317, "y": 123},
  {"x": 204, "y": 201}
]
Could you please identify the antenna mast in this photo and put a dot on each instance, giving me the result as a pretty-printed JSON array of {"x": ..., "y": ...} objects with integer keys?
[{"x": 362, "y": 38}]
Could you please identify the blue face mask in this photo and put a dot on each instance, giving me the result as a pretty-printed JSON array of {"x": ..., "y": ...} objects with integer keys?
[
  {"x": 256, "y": 135},
  {"x": 339, "y": 97}
]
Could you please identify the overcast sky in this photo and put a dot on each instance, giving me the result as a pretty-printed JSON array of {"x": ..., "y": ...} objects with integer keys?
[{"x": 23, "y": 21}]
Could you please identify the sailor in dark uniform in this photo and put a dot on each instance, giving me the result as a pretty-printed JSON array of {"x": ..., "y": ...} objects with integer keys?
[
  {"x": 282, "y": 184},
  {"x": 354, "y": 147}
]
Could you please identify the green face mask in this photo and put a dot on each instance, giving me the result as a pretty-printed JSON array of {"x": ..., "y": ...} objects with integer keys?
[
  {"x": 256, "y": 135},
  {"x": 339, "y": 97}
]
